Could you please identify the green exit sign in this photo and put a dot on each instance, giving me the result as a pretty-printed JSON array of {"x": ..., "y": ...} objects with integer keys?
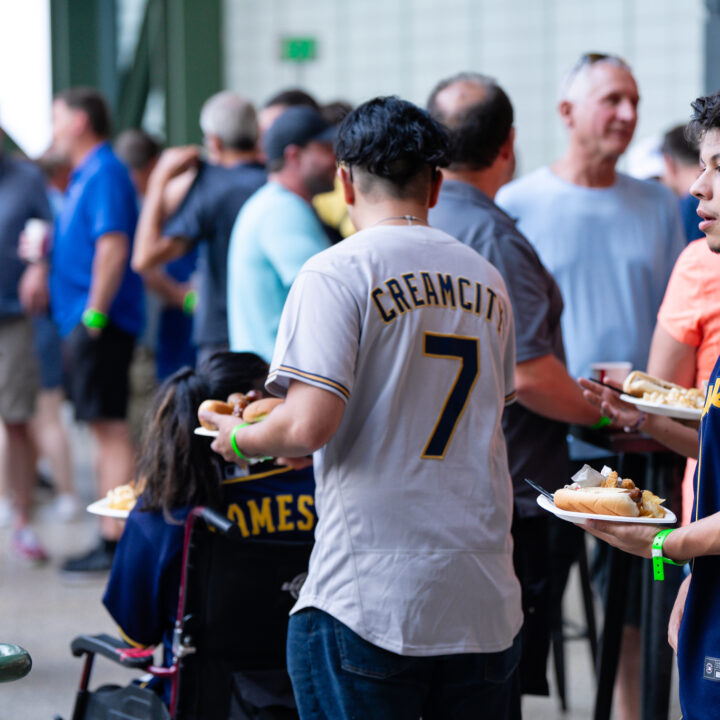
[{"x": 298, "y": 49}]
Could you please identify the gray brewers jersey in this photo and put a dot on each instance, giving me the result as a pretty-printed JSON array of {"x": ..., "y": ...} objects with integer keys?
[{"x": 414, "y": 331}]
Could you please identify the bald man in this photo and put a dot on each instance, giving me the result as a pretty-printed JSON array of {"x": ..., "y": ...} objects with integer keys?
[{"x": 479, "y": 116}]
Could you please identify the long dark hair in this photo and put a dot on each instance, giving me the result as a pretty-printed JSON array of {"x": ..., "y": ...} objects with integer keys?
[{"x": 178, "y": 468}]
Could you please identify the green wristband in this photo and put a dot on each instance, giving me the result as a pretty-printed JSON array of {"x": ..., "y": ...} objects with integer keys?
[
  {"x": 92, "y": 318},
  {"x": 604, "y": 421},
  {"x": 658, "y": 560},
  {"x": 233, "y": 441},
  {"x": 190, "y": 302}
]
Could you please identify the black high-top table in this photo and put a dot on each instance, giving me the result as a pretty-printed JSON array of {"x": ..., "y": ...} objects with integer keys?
[{"x": 663, "y": 475}]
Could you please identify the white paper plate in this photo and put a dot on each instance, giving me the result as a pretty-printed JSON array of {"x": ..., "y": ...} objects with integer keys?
[
  {"x": 101, "y": 507},
  {"x": 673, "y": 411},
  {"x": 578, "y": 517}
]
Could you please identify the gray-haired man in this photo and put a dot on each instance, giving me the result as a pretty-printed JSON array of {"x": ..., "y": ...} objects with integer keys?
[{"x": 208, "y": 199}]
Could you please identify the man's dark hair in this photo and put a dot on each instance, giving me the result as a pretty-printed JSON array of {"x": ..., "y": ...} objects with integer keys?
[
  {"x": 705, "y": 117},
  {"x": 478, "y": 131},
  {"x": 335, "y": 112},
  {"x": 136, "y": 148},
  {"x": 292, "y": 97},
  {"x": 93, "y": 104},
  {"x": 392, "y": 142},
  {"x": 679, "y": 147}
]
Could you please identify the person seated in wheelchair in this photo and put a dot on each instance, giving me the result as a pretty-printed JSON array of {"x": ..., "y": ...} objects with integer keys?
[{"x": 177, "y": 471}]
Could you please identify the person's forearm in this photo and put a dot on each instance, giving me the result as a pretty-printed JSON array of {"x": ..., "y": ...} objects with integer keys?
[
  {"x": 171, "y": 291},
  {"x": 544, "y": 386},
  {"x": 302, "y": 424},
  {"x": 280, "y": 435},
  {"x": 694, "y": 540},
  {"x": 149, "y": 228},
  {"x": 108, "y": 269},
  {"x": 680, "y": 438}
]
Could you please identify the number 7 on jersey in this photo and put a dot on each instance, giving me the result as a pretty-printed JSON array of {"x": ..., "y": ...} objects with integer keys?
[{"x": 465, "y": 349}]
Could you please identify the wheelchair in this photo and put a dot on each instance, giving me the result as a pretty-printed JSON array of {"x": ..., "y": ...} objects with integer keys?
[{"x": 234, "y": 600}]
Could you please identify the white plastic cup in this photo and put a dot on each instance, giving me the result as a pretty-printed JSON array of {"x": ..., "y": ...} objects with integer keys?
[
  {"x": 35, "y": 240},
  {"x": 611, "y": 371}
]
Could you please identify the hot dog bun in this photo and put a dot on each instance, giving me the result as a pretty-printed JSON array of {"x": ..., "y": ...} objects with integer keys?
[
  {"x": 637, "y": 383},
  {"x": 598, "y": 500},
  {"x": 258, "y": 410},
  {"x": 216, "y": 406}
]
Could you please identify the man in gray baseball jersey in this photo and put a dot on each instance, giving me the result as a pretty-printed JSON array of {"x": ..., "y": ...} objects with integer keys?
[{"x": 396, "y": 357}]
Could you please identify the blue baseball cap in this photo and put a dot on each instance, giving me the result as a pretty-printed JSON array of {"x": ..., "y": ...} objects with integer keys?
[{"x": 298, "y": 125}]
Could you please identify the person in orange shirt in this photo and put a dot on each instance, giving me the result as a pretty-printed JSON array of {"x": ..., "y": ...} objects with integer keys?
[{"x": 686, "y": 341}]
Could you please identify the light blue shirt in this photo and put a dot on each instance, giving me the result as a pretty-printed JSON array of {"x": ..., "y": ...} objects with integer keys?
[
  {"x": 611, "y": 251},
  {"x": 274, "y": 234}
]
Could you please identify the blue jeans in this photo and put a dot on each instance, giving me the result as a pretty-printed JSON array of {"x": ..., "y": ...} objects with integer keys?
[{"x": 336, "y": 675}]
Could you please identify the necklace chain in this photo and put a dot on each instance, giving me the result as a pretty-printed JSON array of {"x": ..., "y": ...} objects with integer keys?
[{"x": 410, "y": 219}]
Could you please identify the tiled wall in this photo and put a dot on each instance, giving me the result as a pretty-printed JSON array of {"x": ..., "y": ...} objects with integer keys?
[{"x": 372, "y": 47}]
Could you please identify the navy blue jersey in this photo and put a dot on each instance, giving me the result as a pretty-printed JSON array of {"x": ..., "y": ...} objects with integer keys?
[
  {"x": 699, "y": 641},
  {"x": 142, "y": 592}
]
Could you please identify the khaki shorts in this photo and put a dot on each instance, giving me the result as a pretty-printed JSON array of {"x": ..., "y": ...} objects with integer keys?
[{"x": 18, "y": 370}]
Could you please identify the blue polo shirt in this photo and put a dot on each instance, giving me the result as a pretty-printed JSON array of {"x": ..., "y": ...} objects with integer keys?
[
  {"x": 699, "y": 639},
  {"x": 99, "y": 200}
]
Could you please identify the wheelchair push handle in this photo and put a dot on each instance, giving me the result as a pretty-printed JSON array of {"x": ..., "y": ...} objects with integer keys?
[{"x": 15, "y": 662}]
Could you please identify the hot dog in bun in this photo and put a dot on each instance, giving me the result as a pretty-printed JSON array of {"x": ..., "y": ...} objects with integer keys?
[
  {"x": 216, "y": 406},
  {"x": 610, "y": 501},
  {"x": 653, "y": 389},
  {"x": 260, "y": 409},
  {"x": 603, "y": 501}
]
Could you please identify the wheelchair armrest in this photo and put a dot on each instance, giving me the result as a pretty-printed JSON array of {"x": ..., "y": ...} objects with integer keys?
[
  {"x": 113, "y": 649},
  {"x": 217, "y": 521}
]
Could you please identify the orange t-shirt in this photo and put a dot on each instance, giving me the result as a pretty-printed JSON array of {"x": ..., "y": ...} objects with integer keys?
[
  {"x": 690, "y": 310},
  {"x": 690, "y": 313}
]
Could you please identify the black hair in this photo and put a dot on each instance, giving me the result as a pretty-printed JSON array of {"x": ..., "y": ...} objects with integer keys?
[
  {"x": 136, "y": 148},
  {"x": 705, "y": 117},
  {"x": 335, "y": 112},
  {"x": 478, "y": 131},
  {"x": 292, "y": 97},
  {"x": 394, "y": 141},
  {"x": 93, "y": 104},
  {"x": 178, "y": 468},
  {"x": 228, "y": 372}
]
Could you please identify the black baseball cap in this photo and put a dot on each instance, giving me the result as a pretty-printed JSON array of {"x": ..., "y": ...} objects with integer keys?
[{"x": 298, "y": 125}]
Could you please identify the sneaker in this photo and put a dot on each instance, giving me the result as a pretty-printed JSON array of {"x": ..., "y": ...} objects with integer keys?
[
  {"x": 25, "y": 545},
  {"x": 65, "y": 508},
  {"x": 96, "y": 561}
]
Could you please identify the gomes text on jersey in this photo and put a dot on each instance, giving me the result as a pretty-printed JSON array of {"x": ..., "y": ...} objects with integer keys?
[
  {"x": 272, "y": 500},
  {"x": 397, "y": 296}
]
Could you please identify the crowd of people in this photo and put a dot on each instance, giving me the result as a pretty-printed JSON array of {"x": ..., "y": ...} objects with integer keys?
[{"x": 424, "y": 313}]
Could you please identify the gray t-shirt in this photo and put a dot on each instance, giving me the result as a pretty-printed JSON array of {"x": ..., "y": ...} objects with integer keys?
[
  {"x": 206, "y": 216},
  {"x": 22, "y": 196},
  {"x": 537, "y": 446},
  {"x": 611, "y": 251}
]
